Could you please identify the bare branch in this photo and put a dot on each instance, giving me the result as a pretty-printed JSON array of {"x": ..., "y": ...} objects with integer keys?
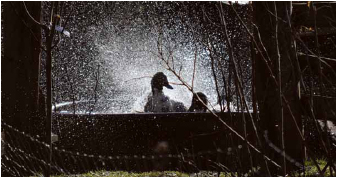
[
  {"x": 215, "y": 79},
  {"x": 30, "y": 29},
  {"x": 194, "y": 62},
  {"x": 32, "y": 18},
  {"x": 211, "y": 111},
  {"x": 272, "y": 76},
  {"x": 329, "y": 154},
  {"x": 315, "y": 56},
  {"x": 280, "y": 87},
  {"x": 240, "y": 89},
  {"x": 173, "y": 83},
  {"x": 137, "y": 78}
]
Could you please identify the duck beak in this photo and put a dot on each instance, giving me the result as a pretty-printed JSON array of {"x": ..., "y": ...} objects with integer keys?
[{"x": 168, "y": 86}]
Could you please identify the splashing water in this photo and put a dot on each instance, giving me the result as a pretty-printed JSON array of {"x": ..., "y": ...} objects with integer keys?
[{"x": 133, "y": 60}]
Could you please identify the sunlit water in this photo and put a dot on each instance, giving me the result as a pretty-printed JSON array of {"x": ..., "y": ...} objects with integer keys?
[{"x": 131, "y": 58}]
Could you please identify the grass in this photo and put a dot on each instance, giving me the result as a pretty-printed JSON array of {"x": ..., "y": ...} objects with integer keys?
[
  {"x": 132, "y": 174},
  {"x": 311, "y": 171},
  {"x": 103, "y": 173}
]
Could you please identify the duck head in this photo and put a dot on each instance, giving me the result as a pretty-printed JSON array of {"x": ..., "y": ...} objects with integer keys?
[
  {"x": 197, "y": 105},
  {"x": 159, "y": 80}
]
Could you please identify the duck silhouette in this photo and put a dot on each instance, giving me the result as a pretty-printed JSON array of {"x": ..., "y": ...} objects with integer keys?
[
  {"x": 157, "y": 100},
  {"x": 197, "y": 105}
]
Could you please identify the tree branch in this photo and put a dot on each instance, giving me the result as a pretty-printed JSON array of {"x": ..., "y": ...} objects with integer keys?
[{"x": 32, "y": 18}]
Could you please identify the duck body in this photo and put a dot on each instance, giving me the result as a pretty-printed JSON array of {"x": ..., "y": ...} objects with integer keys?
[
  {"x": 158, "y": 101},
  {"x": 197, "y": 105}
]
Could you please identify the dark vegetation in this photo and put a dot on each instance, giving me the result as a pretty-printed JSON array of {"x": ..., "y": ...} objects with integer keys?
[{"x": 274, "y": 58}]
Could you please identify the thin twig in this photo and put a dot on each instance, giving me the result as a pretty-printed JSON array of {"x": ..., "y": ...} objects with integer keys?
[
  {"x": 30, "y": 29},
  {"x": 194, "y": 62},
  {"x": 321, "y": 90},
  {"x": 272, "y": 77},
  {"x": 240, "y": 89},
  {"x": 213, "y": 51},
  {"x": 173, "y": 83},
  {"x": 32, "y": 18},
  {"x": 137, "y": 78},
  {"x": 317, "y": 56},
  {"x": 280, "y": 88},
  {"x": 215, "y": 79},
  {"x": 211, "y": 111}
]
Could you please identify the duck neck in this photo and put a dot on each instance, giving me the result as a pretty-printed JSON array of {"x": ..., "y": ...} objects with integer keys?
[{"x": 156, "y": 91}]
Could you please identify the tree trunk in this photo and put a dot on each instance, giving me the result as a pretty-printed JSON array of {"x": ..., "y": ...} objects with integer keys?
[
  {"x": 281, "y": 49},
  {"x": 21, "y": 66}
]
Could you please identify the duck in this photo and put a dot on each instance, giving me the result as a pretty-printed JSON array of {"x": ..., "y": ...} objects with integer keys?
[
  {"x": 157, "y": 100},
  {"x": 197, "y": 105}
]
